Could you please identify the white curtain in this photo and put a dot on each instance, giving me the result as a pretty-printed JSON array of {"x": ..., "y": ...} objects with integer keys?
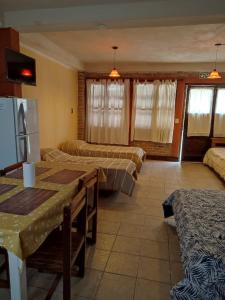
[
  {"x": 199, "y": 111},
  {"x": 219, "y": 120},
  {"x": 108, "y": 111},
  {"x": 153, "y": 111}
]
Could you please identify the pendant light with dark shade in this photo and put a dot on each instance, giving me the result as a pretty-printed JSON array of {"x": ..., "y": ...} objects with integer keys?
[
  {"x": 114, "y": 73},
  {"x": 215, "y": 74}
]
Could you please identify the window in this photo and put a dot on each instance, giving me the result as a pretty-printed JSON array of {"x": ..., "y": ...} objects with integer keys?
[
  {"x": 199, "y": 111},
  {"x": 108, "y": 111},
  {"x": 153, "y": 111},
  {"x": 219, "y": 120}
]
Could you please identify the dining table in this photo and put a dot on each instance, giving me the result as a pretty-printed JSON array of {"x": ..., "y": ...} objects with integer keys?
[{"x": 28, "y": 215}]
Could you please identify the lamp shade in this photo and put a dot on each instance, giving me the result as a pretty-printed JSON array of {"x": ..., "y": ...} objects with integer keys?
[
  {"x": 114, "y": 73},
  {"x": 214, "y": 75}
]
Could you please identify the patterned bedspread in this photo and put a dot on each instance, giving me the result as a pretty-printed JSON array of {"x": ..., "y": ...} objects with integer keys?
[
  {"x": 82, "y": 148},
  {"x": 215, "y": 158},
  {"x": 120, "y": 174},
  {"x": 200, "y": 223}
]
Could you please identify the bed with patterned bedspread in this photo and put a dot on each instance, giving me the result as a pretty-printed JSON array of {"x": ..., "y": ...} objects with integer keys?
[
  {"x": 120, "y": 174},
  {"x": 200, "y": 224},
  {"x": 81, "y": 148}
]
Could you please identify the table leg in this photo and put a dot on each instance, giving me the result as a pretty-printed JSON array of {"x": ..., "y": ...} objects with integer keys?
[{"x": 18, "y": 278}]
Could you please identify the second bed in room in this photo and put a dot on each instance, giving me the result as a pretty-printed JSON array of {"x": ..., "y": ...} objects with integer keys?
[{"x": 120, "y": 174}]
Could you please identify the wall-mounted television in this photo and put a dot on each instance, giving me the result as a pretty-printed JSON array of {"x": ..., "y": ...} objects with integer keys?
[{"x": 20, "y": 68}]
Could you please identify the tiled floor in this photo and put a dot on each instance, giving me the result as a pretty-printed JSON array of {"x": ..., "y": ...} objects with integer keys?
[{"x": 137, "y": 255}]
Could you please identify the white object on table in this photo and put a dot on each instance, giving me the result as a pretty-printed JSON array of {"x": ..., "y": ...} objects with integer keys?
[
  {"x": 18, "y": 278},
  {"x": 28, "y": 174}
]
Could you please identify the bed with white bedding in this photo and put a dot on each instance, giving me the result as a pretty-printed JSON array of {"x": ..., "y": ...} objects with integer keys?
[
  {"x": 120, "y": 174},
  {"x": 215, "y": 158}
]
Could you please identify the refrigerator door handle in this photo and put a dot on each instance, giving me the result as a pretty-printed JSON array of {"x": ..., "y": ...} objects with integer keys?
[
  {"x": 21, "y": 120},
  {"x": 23, "y": 148}
]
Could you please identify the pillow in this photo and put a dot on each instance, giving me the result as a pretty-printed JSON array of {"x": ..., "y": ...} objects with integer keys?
[
  {"x": 72, "y": 147},
  {"x": 51, "y": 154}
]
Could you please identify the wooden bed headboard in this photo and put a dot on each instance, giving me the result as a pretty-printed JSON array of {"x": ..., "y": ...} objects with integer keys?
[{"x": 215, "y": 142}]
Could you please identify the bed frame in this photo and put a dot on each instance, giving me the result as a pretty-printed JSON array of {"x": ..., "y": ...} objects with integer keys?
[{"x": 216, "y": 142}]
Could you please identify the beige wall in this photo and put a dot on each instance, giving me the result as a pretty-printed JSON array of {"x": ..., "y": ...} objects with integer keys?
[{"x": 56, "y": 92}]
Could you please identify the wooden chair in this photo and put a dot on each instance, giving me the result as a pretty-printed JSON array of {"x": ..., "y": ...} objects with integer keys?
[
  {"x": 64, "y": 248},
  {"x": 90, "y": 181}
]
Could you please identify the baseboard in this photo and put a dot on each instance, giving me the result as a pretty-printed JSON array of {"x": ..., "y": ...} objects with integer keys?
[{"x": 166, "y": 158}]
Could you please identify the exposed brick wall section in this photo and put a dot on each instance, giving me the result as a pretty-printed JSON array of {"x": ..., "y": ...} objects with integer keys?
[
  {"x": 154, "y": 149},
  {"x": 81, "y": 105}
]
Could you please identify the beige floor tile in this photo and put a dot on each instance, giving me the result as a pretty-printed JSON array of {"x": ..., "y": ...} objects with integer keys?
[
  {"x": 41, "y": 280},
  {"x": 153, "y": 210},
  {"x": 124, "y": 264},
  {"x": 127, "y": 245},
  {"x": 97, "y": 259},
  {"x": 105, "y": 241},
  {"x": 133, "y": 218},
  {"x": 110, "y": 215},
  {"x": 154, "y": 269},
  {"x": 116, "y": 287},
  {"x": 177, "y": 272},
  {"x": 83, "y": 287},
  {"x": 35, "y": 293},
  {"x": 174, "y": 250},
  {"x": 151, "y": 290},
  {"x": 155, "y": 233},
  {"x": 156, "y": 222},
  {"x": 108, "y": 227},
  {"x": 155, "y": 249},
  {"x": 130, "y": 230}
]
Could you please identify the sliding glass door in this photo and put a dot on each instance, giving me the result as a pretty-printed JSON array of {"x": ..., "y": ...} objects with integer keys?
[{"x": 204, "y": 119}]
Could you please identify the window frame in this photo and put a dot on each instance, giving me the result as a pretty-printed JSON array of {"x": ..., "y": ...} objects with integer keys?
[{"x": 215, "y": 90}]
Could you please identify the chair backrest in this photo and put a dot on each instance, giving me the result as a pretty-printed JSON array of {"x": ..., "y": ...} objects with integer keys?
[
  {"x": 87, "y": 179},
  {"x": 90, "y": 181},
  {"x": 77, "y": 209},
  {"x": 10, "y": 168}
]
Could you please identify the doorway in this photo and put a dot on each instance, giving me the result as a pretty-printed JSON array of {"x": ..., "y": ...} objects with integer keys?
[{"x": 204, "y": 119}]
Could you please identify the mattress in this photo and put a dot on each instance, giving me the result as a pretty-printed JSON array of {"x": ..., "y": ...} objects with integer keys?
[
  {"x": 215, "y": 158},
  {"x": 82, "y": 148},
  {"x": 119, "y": 174},
  {"x": 200, "y": 224}
]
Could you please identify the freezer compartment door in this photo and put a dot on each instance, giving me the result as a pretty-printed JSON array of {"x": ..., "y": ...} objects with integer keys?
[
  {"x": 26, "y": 116},
  {"x": 28, "y": 148},
  {"x": 8, "y": 154}
]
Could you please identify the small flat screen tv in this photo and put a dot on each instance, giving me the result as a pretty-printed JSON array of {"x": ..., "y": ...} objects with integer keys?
[{"x": 20, "y": 68}]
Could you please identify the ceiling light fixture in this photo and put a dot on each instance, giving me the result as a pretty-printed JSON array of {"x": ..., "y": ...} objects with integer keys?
[
  {"x": 215, "y": 74},
  {"x": 114, "y": 73}
]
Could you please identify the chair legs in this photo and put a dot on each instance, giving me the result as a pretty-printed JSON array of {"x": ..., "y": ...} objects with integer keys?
[
  {"x": 81, "y": 261},
  {"x": 53, "y": 287},
  {"x": 67, "y": 286},
  {"x": 93, "y": 237}
]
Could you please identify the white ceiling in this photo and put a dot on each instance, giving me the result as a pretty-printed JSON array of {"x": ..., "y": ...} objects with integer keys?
[{"x": 80, "y": 33}]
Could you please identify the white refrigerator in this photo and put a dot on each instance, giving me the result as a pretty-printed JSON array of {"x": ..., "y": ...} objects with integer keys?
[{"x": 19, "y": 131}]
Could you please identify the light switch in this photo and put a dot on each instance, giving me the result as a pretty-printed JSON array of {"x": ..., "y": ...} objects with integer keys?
[{"x": 177, "y": 121}]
